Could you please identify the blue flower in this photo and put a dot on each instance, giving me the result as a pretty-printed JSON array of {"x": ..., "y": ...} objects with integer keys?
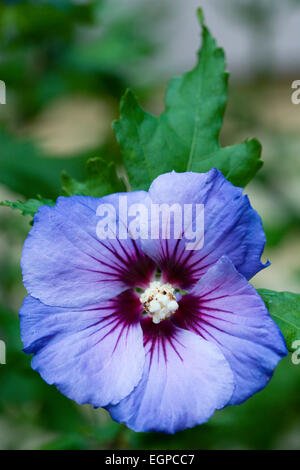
[{"x": 158, "y": 334}]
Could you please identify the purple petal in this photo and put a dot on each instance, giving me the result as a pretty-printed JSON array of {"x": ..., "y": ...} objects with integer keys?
[
  {"x": 185, "y": 380},
  {"x": 93, "y": 355},
  {"x": 231, "y": 227},
  {"x": 225, "y": 309},
  {"x": 65, "y": 264}
]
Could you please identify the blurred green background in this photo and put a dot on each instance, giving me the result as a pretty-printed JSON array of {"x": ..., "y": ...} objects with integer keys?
[{"x": 65, "y": 65}]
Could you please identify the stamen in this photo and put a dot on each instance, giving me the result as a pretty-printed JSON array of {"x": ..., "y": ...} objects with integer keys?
[{"x": 159, "y": 301}]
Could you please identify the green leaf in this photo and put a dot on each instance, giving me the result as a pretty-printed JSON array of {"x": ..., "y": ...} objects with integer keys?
[
  {"x": 284, "y": 307},
  {"x": 102, "y": 179},
  {"x": 185, "y": 136},
  {"x": 29, "y": 207},
  {"x": 238, "y": 163}
]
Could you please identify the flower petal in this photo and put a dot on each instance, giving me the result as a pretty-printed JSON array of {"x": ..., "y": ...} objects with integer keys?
[
  {"x": 185, "y": 380},
  {"x": 93, "y": 355},
  {"x": 231, "y": 227},
  {"x": 65, "y": 264},
  {"x": 225, "y": 309}
]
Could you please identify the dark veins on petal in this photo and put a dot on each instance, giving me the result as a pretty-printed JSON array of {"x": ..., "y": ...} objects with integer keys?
[
  {"x": 132, "y": 267},
  {"x": 193, "y": 314},
  {"x": 180, "y": 269},
  {"x": 141, "y": 269},
  {"x": 157, "y": 336},
  {"x": 126, "y": 308}
]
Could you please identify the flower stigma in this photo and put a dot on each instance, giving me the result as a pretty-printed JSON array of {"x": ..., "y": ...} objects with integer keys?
[{"x": 159, "y": 301}]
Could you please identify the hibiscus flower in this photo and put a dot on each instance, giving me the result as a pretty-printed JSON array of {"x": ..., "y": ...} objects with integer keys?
[{"x": 158, "y": 334}]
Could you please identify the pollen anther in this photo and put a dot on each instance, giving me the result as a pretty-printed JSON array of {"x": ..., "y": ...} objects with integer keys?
[{"x": 159, "y": 301}]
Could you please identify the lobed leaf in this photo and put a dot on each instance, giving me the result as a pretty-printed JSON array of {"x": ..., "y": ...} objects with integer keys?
[
  {"x": 185, "y": 137},
  {"x": 29, "y": 207},
  {"x": 102, "y": 180},
  {"x": 284, "y": 307}
]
